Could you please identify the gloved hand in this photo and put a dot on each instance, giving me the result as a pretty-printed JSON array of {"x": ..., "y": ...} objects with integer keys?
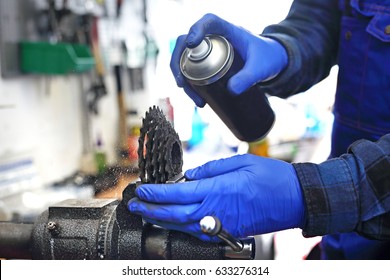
[
  {"x": 263, "y": 57},
  {"x": 249, "y": 194}
]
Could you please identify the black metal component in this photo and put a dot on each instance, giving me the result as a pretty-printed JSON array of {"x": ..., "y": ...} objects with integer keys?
[
  {"x": 99, "y": 229},
  {"x": 139, "y": 240},
  {"x": 160, "y": 155},
  {"x": 74, "y": 229},
  {"x": 129, "y": 228},
  {"x": 15, "y": 240}
]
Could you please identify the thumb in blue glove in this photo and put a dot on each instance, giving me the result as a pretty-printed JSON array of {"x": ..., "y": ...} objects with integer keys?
[
  {"x": 249, "y": 194},
  {"x": 264, "y": 58}
]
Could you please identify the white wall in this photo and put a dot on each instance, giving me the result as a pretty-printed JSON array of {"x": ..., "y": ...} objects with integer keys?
[{"x": 41, "y": 119}]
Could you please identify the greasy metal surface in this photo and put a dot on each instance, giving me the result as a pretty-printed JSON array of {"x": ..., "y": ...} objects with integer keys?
[
  {"x": 110, "y": 231},
  {"x": 81, "y": 231},
  {"x": 156, "y": 245},
  {"x": 82, "y": 203},
  {"x": 247, "y": 251},
  {"x": 186, "y": 247},
  {"x": 15, "y": 240},
  {"x": 160, "y": 154}
]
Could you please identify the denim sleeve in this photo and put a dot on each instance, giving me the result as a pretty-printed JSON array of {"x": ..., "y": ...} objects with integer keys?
[
  {"x": 349, "y": 193},
  {"x": 310, "y": 34}
]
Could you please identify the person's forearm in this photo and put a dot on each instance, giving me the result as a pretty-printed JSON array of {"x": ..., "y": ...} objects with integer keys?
[
  {"x": 310, "y": 34},
  {"x": 349, "y": 193}
]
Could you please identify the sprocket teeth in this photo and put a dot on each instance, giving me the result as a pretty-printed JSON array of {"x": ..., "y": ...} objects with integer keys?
[{"x": 158, "y": 143}]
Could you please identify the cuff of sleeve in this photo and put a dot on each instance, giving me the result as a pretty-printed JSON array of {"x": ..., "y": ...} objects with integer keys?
[
  {"x": 330, "y": 195},
  {"x": 283, "y": 84}
]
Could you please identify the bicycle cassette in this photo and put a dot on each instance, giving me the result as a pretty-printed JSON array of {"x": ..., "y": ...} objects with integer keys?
[{"x": 160, "y": 154}]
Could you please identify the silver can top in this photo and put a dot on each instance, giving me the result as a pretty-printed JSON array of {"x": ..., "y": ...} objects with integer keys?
[{"x": 207, "y": 62}]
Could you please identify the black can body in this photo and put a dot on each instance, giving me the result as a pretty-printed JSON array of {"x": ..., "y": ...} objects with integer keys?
[{"x": 249, "y": 115}]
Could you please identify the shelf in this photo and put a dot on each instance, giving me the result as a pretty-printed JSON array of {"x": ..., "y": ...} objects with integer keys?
[{"x": 55, "y": 59}]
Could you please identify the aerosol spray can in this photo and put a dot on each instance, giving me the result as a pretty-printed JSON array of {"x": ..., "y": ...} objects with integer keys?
[{"x": 208, "y": 67}]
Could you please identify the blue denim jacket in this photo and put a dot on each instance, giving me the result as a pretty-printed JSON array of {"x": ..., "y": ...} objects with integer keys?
[{"x": 350, "y": 193}]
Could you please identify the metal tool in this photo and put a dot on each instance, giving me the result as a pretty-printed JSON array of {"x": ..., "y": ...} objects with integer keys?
[
  {"x": 242, "y": 249},
  {"x": 212, "y": 226}
]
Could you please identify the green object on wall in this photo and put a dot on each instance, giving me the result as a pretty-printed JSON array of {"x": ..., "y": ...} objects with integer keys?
[{"x": 55, "y": 59}]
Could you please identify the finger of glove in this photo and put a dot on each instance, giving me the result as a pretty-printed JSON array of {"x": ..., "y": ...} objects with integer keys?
[
  {"x": 199, "y": 101},
  {"x": 164, "y": 212},
  {"x": 191, "y": 228},
  {"x": 179, "y": 78},
  {"x": 208, "y": 24},
  {"x": 244, "y": 79},
  {"x": 257, "y": 68},
  {"x": 264, "y": 59},
  {"x": 180, "y": 46},
  {"x": 179, "y": 193},
  {"x": 215, "y": 168}
]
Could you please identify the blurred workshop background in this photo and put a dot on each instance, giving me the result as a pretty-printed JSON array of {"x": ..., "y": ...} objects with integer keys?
[{"x": 77, "y": 77}]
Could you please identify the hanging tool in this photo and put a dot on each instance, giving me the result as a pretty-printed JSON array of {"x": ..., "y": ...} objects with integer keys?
[
  {"x": 118, "y": 7},
  {"x": 53, "y": 20},
  {"x": 98, "y": 88},
  {"x": 123, "y": 150}
]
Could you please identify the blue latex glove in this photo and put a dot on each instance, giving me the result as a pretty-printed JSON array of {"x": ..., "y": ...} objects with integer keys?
[
  {"x": 249, "y": 194},
  {"x": 263, "y": 58}
]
